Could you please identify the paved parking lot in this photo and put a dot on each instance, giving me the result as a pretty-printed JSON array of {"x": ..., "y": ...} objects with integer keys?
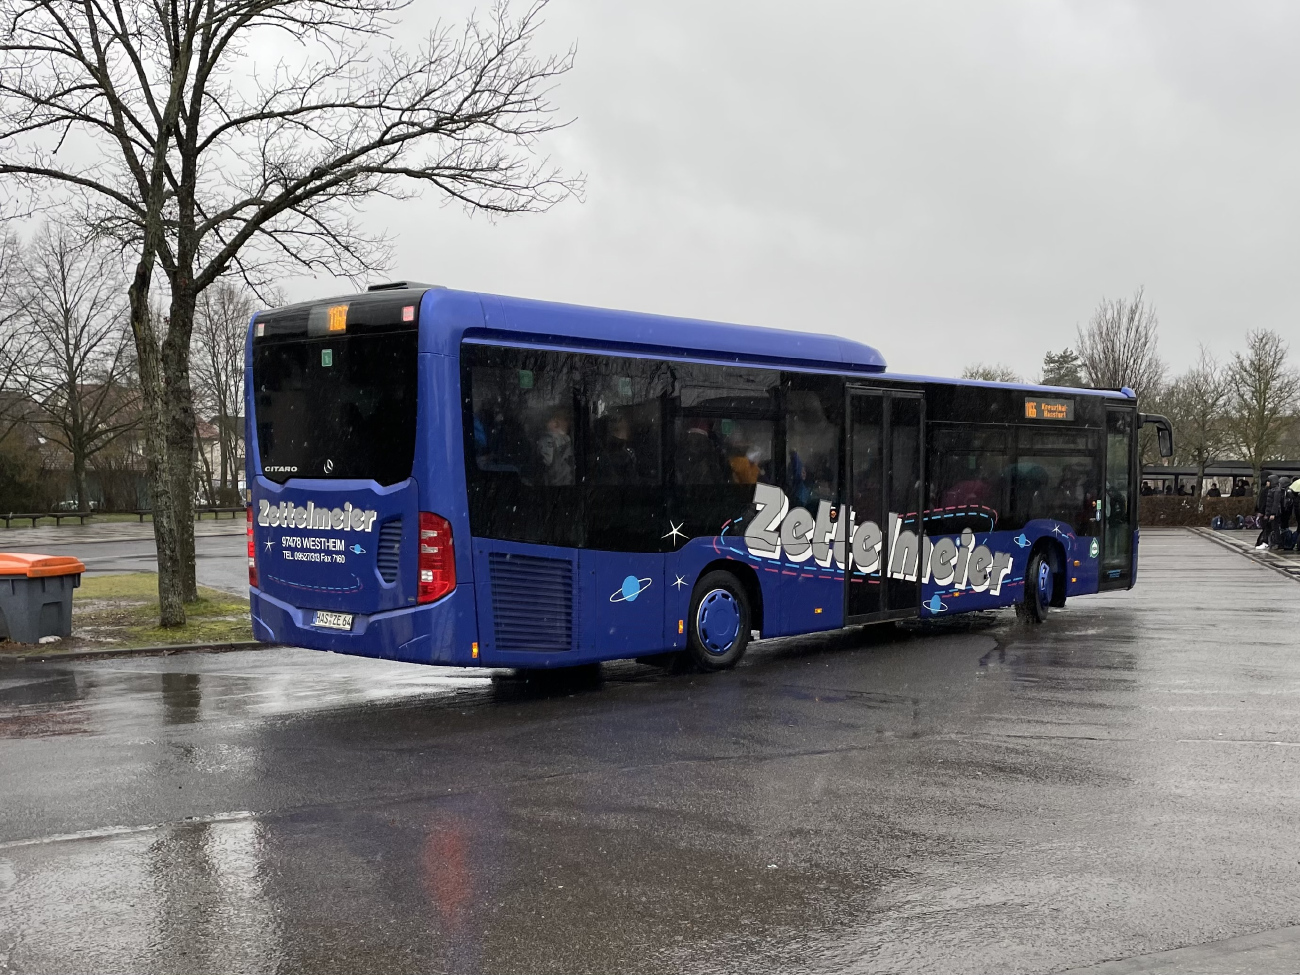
[
  {"x": 220, "y": 548},
  {"x": 1116, "y": 785}
]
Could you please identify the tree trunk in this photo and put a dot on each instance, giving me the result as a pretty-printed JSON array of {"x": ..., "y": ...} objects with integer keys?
[
  {"x": 181, "y": 431},
  {"x": 171, "y": 601},
  {"x": 74, "y": 432},
  {"x": 79, "y": 478},
  {"x": 1200, "y": 489}
]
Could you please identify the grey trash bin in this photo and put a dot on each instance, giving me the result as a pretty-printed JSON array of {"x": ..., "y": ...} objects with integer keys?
[{"x": 36, "y": 595}]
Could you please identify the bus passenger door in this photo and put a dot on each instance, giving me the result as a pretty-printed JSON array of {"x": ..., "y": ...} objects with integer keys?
[
  {"x": 1118, "y": 524},
  {"x": 885, "y": 474}
]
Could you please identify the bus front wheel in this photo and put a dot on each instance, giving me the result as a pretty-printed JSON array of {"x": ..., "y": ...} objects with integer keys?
[
  {"x": 1039, "y": 582},
  {"x": 719, "y": 622}
]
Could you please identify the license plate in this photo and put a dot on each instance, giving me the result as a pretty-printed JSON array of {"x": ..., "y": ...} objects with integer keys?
[{"x": 333, "y": 621}]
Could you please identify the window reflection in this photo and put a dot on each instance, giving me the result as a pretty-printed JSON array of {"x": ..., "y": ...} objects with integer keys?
[
  {"x": 523, "y": 481},
  {"x": 813, "y": 432},
  {"x": 983, "y": 477},
  {"x": 624, "y": 460}
]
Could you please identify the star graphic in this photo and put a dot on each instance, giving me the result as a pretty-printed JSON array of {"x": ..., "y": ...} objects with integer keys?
[
  {"x": 676, "y": 532},
  {"x": 679, "y": 583},
  {"x": 268, "y": 545}
]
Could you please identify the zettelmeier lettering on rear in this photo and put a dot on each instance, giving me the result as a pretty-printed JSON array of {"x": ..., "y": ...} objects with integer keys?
[
  {"x": 796, "y": 535},
  {"x": 286, "y": 514}
]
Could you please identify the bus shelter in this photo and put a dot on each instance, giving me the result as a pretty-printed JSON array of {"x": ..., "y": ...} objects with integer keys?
[{"x": 1224, "y": 474}]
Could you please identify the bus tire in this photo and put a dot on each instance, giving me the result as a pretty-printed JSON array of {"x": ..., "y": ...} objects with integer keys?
[
  {"x": 718, "y": 628},
  {"x": 1040, "y": 580}
]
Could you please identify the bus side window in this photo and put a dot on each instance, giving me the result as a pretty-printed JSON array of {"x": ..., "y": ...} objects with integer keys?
[
  {"x": 523, "y": 422},
  {"x": 623, "y": 466},
  {"x": 1056, "y": 477},
  {"x": 812, "y": 438},
  {"x": 699, "y": 457},
  {"x": 723, "y": 443},
  {"x": 715, "y": 450},
  {"x": 625, "y": 431},
  {"x": 968, "y": 474},
  {"x": 520, "y": 434}
]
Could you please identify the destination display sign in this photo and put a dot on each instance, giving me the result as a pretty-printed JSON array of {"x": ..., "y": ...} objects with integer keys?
[{"x": 1048, "y": 409}]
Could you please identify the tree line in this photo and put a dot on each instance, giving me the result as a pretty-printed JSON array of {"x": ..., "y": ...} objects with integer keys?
[
  {"x": 165, "y": 132},
  {"x": 70, "y": 398},
  {"x": 1244, "y": 407}
]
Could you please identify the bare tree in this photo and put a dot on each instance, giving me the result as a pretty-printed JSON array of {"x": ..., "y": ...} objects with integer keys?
[
  {"x": 220, "y": 329},
  {"x": 176, "y": 134},
  {"x": 1264, "y": 390},
  {"x": 1119, "y": 346},
  {"x": 996, "y": 373},
  {"x": 13, "y": 407},
  {"x": 1197, "y": 404},
  {"x": 68, "y": 350}
]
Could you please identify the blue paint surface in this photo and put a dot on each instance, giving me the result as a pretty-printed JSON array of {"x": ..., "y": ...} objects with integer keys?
[{"x": 626, "y": 604}]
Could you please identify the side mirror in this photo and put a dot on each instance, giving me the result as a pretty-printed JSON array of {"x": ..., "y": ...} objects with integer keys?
[{"x": 1164, "y": 431}]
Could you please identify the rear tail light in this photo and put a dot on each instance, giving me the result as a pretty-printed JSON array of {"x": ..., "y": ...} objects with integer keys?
[
  {"x": 252, "y": 552},
  {"x": 437, "y": 561}
]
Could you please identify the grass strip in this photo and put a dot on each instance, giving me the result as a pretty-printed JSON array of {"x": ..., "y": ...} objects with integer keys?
[{"x": 120, "y": 612}]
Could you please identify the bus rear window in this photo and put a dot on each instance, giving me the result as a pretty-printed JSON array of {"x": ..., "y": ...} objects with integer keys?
[{"x": 336, "y": 407}]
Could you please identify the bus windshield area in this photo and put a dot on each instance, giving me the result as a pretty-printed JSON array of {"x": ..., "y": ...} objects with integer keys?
[{"x": 337, "y": 407}]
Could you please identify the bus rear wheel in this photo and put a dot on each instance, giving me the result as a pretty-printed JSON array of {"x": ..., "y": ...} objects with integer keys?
[
  {"x": 718, "y": 630},
  {"x": 1039, "y": 582}
]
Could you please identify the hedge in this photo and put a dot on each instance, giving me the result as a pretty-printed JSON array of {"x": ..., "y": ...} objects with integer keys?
[{"x": 1175, "y": 509}]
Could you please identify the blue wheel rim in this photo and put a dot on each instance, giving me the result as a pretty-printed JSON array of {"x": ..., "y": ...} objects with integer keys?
[
  {"x": 1044, "y": 583},
  {"x": 717, "y": 621}
]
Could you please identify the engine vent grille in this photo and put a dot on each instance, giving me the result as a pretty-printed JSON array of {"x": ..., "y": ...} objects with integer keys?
[
  {"x": 532, "y": 602},
  {"x": 389, "y": 551}
]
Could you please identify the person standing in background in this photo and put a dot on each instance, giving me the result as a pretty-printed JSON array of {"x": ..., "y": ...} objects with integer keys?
[
  {"x": 1285, "y": 504},
  {"x": 1261, "y": 510}
]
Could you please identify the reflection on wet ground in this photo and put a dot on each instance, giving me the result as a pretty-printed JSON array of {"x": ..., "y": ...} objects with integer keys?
[{"x": 979, "y": 798}]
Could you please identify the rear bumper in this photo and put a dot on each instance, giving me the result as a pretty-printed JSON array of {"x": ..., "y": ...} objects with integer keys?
[{"x": 443, "y": 632}]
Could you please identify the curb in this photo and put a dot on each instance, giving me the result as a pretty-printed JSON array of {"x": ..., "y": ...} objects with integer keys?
[
  {"x": 1283, "y": 567},
  {"x": 109, "y": 652}
]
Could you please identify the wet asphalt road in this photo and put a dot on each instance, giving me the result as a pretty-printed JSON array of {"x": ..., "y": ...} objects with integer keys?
[
  {"x": 220, "y": 549},
  {"x": 1118, "y": 783}
]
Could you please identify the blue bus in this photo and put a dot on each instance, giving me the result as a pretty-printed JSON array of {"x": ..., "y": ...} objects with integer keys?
[{"x": 445, "y": 477}]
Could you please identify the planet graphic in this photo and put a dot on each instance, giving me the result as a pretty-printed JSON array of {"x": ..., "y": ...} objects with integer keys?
[
  {"x": 358, "y": 550},
  {"x": 1021, "y": 540},
  {"x": 935, "y": 605},
  {"x": 631, "y": 588}
]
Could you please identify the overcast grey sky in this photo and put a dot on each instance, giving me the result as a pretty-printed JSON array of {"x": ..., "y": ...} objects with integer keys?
[{"x": 950, "y": 182}]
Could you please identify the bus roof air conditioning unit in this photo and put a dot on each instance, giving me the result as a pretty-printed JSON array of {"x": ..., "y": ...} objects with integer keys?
[{"x": 400, "y": 286}]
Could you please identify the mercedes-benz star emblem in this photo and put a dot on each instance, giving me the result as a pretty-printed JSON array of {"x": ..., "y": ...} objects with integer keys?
[{"x": 329, "y": 467}]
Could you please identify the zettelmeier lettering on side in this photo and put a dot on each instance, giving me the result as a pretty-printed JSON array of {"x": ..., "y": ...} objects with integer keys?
[{"x": 780, "y": 532}]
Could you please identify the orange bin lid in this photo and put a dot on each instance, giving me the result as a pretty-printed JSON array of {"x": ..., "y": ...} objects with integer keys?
[{"x": 39, "y": 566}]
